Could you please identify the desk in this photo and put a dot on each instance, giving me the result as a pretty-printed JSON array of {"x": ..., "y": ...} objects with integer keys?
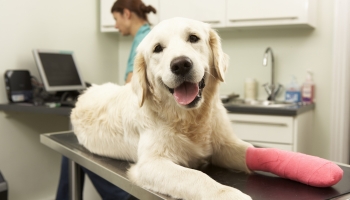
[
  {"x": 30, "y": 108},
  {"x": 260, "y": 186}
]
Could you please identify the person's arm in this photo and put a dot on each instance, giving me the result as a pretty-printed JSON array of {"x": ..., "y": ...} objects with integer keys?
[
  {"x": 137, "y": 40},
  {"x": 128, "y": 78}
]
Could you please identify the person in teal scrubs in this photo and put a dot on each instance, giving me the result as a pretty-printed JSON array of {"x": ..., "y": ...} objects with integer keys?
[
  {"x": 131, "y": 19},
  {"x": 141, "y": 33}
]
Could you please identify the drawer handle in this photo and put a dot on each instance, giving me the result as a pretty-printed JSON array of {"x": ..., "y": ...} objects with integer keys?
[
  {"x": 108, "y": 26},
  {"x": 263, "y": 19},
  {"x": 259, "y": 123},
  {"x": 211, "y": 21}
]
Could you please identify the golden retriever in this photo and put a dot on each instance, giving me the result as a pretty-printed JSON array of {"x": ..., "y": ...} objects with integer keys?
[{"x": 169, "y": 120}]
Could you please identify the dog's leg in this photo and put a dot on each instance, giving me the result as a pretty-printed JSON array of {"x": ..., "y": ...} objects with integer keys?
[
  {"x": 310, "y": 170},
  {"x": 114, "y": 146},
  {"x": 156, "y": 169},
  {"x": 228, "y": 150},
  {"x": 163, "y": 176}
]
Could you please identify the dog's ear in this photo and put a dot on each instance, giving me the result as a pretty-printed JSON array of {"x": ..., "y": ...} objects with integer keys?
[
  {"x": 220, "y": 58},
  {"x": 139, "y": 78}
]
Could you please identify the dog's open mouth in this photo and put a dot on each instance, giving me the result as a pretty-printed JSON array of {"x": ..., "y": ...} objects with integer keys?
[{"x": 188, "y": 93}]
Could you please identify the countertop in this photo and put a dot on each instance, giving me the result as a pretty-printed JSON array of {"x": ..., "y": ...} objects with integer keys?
[
  {"x": 231, "y": 108},
  {"x": 30, "y": 108},
  {"x": 279, "y": 111},
  {"x": 260, "y": 186}
]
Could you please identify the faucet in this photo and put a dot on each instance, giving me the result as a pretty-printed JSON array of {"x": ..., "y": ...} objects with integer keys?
[{"x": 273, "y": 89}]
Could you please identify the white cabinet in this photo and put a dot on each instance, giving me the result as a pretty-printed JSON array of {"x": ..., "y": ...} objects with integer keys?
[
  {"x": 209, "y": 11},
  {"x": 235, "y": 14},
  {"x": 107, "y": 21},
  {"x": 290, "y": 133},
  {"x": 268, "y": 13}
]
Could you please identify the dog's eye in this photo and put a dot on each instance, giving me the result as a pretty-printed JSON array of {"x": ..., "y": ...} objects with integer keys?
[
  {"x": 193, "y": 38},
  {"x": 158, "y": 49}
]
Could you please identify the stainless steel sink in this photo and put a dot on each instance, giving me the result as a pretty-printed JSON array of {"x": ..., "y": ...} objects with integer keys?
[{"x": 261, "y": 103}]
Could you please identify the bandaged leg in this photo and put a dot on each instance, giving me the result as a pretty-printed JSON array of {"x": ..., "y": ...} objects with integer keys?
[{"x": 299, "y": 167}]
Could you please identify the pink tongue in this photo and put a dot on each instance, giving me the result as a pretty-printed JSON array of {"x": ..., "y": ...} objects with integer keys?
[{"x": 186, "y": 93}]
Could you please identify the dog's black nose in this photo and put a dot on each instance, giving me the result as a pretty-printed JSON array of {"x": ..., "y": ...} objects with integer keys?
[{"x": 181, "y": 65}]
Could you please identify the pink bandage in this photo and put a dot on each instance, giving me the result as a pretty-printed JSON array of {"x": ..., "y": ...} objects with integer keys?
[{"x": 299, "y": 167}]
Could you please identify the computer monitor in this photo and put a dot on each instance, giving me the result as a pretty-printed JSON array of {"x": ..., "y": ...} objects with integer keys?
[{"x": 58, "y": 70}]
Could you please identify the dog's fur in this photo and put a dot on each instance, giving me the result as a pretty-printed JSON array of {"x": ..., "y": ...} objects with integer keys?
[{"x": 143, "y": 122}]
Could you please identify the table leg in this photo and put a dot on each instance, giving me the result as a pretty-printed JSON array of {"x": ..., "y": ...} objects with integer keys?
[{"x": 74, "y": 181}]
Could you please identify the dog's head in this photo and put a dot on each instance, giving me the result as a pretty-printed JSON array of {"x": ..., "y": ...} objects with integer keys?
[{"x": 177, "y": 59}]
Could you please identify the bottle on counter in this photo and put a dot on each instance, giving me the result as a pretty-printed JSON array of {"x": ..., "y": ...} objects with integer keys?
[
  {"x": 293, "y": 93},
  {"x": 308, "y": 88},
  {"x": 250, "y": 89}
]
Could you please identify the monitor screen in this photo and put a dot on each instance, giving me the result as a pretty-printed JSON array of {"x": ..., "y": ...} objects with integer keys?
[{"x": 58, "y": 70}]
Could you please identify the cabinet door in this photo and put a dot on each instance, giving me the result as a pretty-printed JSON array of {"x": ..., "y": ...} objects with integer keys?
[
  {"x": 262, "y": 128},
  {"x": 209, "y": 11},
  {"x": 108, "y": 22},
  {"x": 250, "y": 13},
  {"x": 286, "y": 147}
]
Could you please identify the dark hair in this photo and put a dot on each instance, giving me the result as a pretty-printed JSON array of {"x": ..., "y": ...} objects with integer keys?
[{"x": 136, "y": 6}]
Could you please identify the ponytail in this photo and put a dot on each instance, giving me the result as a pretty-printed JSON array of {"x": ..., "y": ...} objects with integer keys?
[
  {"x": 136, "y": 6},
  {"x": 147, "y": 9}
]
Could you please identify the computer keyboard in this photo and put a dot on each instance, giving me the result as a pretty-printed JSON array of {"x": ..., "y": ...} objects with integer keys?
[{"x": 68, "y": 103}]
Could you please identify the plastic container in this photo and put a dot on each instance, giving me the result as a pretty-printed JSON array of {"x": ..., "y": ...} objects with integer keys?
[
  {"x": 250, "y": 89},
  {"x": 293, "y": 93},
  {"x": 308, "y": 89}
]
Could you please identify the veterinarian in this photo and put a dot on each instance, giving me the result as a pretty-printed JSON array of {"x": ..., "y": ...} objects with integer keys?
[{"x": 131, "y": 19}]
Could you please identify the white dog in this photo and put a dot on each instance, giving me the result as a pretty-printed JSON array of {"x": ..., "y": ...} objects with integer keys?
[{"x": 170, "y": 119}]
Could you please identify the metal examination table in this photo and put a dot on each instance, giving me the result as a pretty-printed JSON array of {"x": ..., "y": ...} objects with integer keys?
[{"x": 260, "y": 186}]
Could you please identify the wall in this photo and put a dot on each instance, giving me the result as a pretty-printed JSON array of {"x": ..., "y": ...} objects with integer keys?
[
  {"x": 295, "y": 51},
  {"x": 31, "y": 168}
]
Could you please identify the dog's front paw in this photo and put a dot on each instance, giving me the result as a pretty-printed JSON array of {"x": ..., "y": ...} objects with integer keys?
[{"x": 228, "y": 193}]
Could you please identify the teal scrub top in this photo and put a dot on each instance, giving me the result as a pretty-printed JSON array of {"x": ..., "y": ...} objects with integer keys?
[{"x": 141, "y": 33}]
